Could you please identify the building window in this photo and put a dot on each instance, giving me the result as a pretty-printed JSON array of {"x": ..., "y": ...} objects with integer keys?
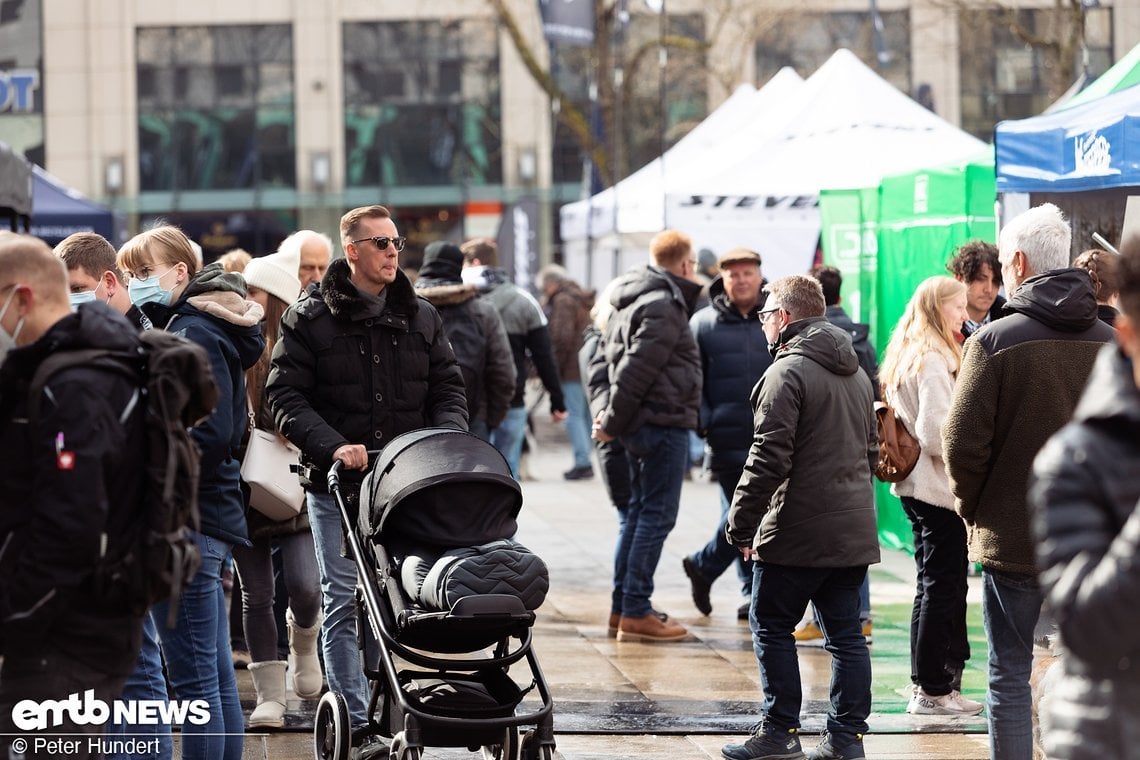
[
  {"x": 215, "y": 107},
  {"x": 1003, "y": 77},
  {"x": 805, "y": 41},
  {"x": 422, "y": 103}
]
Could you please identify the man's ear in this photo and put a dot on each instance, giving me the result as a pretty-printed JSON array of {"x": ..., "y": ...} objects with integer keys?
[{"x": 110, "y": 282}]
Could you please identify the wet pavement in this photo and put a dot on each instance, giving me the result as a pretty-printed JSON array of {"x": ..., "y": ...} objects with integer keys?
[{"x": 683, "y": 700}]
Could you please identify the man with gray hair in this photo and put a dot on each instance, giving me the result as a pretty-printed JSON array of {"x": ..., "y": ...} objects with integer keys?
[
  {"x": 1020, "y": 380},
  {"x": 804, "y": 512}
]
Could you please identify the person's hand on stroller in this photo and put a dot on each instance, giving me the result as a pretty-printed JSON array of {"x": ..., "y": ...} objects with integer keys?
[{"x": 353, "y": 455}]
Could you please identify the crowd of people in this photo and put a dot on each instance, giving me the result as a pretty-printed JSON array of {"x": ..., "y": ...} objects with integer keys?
[{"x": 1027, "y": 466}]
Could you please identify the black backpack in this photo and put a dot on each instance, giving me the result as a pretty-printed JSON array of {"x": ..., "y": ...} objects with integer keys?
[{"x": 176, "y": 390}]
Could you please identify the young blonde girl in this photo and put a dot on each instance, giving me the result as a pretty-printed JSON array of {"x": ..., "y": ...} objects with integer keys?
[{"x": 917, "y": 375}]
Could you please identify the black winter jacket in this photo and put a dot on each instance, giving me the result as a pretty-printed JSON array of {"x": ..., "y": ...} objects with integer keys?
[
  {"x": 1020, "y": 380},
  {"x": 214, "y": 313},
  {"x": 70, "y": 485},
  {"x": 652, "y": 365},
  {"x": 734, "y": 355},
  {"x": 493, "y": 385},
  {"x": 806, "y": 498},
  {"x": 346, "y": 371},
  {"x": 1084, "y": 495},
  {"x": 526, "y": 328}
]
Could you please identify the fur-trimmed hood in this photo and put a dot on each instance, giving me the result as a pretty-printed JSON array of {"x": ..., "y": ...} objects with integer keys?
[
  {"x": 345, "y": 301},
  {"x": 445, "y": 292}
]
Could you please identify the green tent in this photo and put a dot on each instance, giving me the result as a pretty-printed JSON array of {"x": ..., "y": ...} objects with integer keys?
[{"x": 886, "y": 240}]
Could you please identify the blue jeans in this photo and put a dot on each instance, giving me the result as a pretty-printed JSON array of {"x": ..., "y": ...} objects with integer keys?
[
  {"x": 780, "y": 594},
  {"x": 478, "y": 426},
  {"x": 578, "y": 422},
  {"x": 1010, "y": 607},
  {"x": 508, "y": 437},
  {"x": 198, "y": 658},
  {"x": 657, "y": 461},
  {"x": 145, "y": 683},
  {"x": 343, "y": 667},
  {"x": 718, "y": 554}
]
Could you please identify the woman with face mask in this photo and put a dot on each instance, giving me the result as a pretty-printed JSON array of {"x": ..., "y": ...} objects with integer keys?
[
  {"x": 209, "y": 307},
  {"x": 917, "y": 374}
]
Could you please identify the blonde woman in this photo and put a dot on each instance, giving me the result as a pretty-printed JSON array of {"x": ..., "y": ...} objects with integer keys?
[
  {"x": 917, "y": 375},
  {"x": 208, "y": 306}
]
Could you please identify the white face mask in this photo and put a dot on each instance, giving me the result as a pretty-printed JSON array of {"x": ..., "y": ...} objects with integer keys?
[
  {"x": 84, "y": 296},
  {"x": 8, "y": 342}
]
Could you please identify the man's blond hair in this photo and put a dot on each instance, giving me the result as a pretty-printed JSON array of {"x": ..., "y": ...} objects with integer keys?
[{"x": 27, "y": 260}]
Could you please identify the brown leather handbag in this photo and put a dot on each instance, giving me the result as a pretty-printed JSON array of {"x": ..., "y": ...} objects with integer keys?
[{"x": 898, "y": 449}]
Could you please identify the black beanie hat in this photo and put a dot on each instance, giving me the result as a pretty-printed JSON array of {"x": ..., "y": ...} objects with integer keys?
[{"x": 442, "y": 261}]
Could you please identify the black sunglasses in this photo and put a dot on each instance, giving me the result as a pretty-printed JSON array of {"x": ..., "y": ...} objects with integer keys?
[{"x": 381, "y": 243}]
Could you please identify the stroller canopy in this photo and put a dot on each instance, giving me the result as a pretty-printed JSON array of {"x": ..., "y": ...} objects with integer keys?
[{"x": 442, "y": 487}]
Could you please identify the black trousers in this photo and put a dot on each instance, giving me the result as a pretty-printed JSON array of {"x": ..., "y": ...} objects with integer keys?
[{"x": 939, "y": 648}]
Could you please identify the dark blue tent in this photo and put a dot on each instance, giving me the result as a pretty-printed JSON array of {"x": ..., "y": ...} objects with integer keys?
[
  {"x": 1092, "y": 146},
  {"x": 59, "y": 211}
]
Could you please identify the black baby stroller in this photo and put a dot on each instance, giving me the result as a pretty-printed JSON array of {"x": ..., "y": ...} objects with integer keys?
[{"x": 439, "y": 576}]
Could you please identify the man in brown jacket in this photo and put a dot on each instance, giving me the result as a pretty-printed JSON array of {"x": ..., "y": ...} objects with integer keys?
[
  {"x": 1020, "y": 380},
  {"x": 568, "y": 310}
]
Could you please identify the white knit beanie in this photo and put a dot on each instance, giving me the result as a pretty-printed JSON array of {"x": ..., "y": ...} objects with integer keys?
[{"x": 276, "y": 274}]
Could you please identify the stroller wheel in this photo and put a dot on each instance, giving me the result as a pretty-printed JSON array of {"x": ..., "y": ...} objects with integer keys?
[
  {"x": 508, "y": 747},
  {"x": 332, "y": 733},
  {"x": 532, "y": 750},
  {"x": 399, "y": 751}
]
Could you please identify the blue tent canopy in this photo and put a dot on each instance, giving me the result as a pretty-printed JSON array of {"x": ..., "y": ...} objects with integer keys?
[
  {"x": 59, "y": 211},
  {"x": 1094, "y": 146}
]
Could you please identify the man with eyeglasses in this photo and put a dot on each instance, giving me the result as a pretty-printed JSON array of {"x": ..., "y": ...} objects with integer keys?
[
  {"x": 804, "y": 513},
  {"x": 360, "y": 360}
]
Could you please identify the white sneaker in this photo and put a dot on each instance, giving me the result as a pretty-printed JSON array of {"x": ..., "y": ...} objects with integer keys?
[{"x": 948, "y": 704}]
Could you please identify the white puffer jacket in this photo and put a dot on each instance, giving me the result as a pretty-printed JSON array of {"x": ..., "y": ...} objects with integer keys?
[{"x": 922, "y": 402}]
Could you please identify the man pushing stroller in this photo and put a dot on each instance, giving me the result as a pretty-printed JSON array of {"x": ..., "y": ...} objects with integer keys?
[{"x": 360, "y": 361}]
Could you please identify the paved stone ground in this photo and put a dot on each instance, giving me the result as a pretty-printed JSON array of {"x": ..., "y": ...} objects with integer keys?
[{"x": 686, "y": 700}]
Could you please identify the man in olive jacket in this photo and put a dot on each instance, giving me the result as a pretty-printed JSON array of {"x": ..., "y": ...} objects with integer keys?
[
  {"x": 649, "y": 398},
  {"x": 804, "y": 512},
  {"x": 1020, "y": 380},
  {"x": 360, "y": 360}
]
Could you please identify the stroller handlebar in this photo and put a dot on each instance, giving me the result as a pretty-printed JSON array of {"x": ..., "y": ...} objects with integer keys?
[{"x": 337, "y": 466}]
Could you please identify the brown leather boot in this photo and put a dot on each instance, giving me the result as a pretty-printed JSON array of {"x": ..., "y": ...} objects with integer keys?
[
  {"x": 612, "y": 629},
  {"x": 651, "y": 627}
]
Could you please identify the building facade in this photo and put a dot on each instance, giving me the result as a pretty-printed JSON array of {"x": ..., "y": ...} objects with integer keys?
[{"x": 242, "y": 121}]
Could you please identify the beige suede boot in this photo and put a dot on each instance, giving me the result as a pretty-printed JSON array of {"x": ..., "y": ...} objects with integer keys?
[
  {"x": 269, "y": 683},
  {"x": 303, "y": 661}
]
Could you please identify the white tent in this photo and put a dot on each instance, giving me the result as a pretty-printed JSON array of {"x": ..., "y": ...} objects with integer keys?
[
  {"x": 615, "y": 225},
  {"x": 845, "y": 128}
]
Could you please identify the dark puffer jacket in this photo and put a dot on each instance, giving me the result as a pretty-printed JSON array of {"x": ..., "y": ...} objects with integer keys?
[
  {"x": 214, "y": 313},
  {"x": 347, "y": 370},
  {"x": 55, "y": 514},
  {"x": 806, "y": 498},
  {"x": 1084, "y": 495},
  {"x": 1020, "y": 380},
  {"x": 734, "y": 354},
  {"x": 652, "y": 364},
  {"x": 489, "y": 359}
]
